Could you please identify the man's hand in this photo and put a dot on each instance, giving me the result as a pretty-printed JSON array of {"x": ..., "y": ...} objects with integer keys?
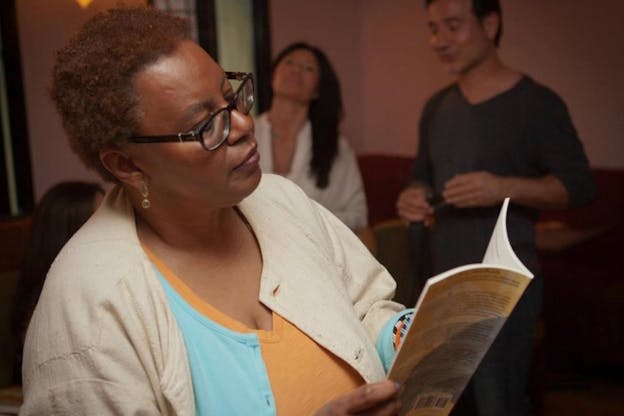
[
  {"x": 375, "y": 399},
  {"x": 412, "y": 205},
  {"x": 474, "y": 189}
]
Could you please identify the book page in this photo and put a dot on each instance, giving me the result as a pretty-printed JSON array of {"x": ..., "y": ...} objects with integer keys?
[
  {"x": 456, "y": 319},
  {"x": 499, "y": 249}
]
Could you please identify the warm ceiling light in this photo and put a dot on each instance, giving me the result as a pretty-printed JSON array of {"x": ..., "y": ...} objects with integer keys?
[{"x": 84, "y": 3}]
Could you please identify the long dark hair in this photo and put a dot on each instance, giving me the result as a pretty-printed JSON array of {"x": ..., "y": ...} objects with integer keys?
[
  {"x": 325, "y": 113},
  {"x": 59, "y": 214}
]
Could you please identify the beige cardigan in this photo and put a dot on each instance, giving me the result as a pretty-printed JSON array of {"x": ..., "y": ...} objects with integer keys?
[{"x": 103, "y": 340}]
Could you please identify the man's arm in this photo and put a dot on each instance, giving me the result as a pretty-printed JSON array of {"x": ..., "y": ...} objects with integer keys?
[
  {"x": 482, "y": 189},
  {"x": 557, "y": 153}
]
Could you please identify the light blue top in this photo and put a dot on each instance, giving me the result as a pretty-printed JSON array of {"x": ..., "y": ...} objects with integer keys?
[
  {"x": 228, "y": 372},
  {"x": 227, "y": 369}
]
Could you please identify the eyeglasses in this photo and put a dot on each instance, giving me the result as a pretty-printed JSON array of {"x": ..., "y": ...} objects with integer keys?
[{"x": 213, "y": 132}]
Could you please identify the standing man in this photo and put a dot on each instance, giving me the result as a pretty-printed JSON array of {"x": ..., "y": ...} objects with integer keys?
[{"x": 493, "y": 133}]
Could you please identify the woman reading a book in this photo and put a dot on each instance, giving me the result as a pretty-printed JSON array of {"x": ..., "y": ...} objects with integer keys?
[{"x": 199, "y": 286}]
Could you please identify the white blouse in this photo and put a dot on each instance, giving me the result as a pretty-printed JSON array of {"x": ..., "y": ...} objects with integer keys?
[{"x": 344, "y": 195}]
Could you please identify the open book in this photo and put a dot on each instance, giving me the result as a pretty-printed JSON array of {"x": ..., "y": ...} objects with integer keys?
[{"x": 458, "y": 315}]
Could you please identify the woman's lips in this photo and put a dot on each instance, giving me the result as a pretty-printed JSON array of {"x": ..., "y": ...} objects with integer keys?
[{"x": 251, "y": 160}]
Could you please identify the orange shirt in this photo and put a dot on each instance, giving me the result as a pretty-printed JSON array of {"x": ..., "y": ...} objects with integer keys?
[{"x": 303, "y": 375}]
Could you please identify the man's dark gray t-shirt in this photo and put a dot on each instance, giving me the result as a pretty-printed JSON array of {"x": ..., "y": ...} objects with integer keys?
[{"x": 525, "y": 131}]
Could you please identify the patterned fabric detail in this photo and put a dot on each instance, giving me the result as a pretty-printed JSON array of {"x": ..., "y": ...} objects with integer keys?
[
  {"x": 391, "y": 336},
  {"x": 400, "y": 329}
]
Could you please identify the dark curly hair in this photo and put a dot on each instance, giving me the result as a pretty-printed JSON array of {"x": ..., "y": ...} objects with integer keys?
[
  {"x": 92, "y": 76},
  {"x": 324, "y": 113}
]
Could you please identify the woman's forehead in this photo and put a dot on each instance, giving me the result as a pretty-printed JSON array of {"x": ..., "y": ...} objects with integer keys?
[
  {"x": 180, "y": 85},
  {"x": 302, "y": 54},
  {"x": 186, "y": 59},
  {"x": 187, "y": 70}
]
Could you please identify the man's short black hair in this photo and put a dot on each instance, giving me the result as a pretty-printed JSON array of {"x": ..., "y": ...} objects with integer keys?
[{"x": 483, "y": 8}]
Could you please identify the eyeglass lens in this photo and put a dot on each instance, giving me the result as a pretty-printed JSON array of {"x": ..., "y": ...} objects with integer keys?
[{"x": 218, "y": 127}]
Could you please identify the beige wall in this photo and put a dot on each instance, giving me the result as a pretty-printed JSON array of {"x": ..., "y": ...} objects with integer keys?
[
  {"x": 576, "y": 49},
  {"x": 379, "y": 50},
  {"x": 400, "y": 74},
  {"x": 334, "y": 27},
  {"x": 44, "y": 27}
]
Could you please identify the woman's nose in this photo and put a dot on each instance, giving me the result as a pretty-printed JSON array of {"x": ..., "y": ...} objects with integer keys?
[{"x": 241, "y": 126}]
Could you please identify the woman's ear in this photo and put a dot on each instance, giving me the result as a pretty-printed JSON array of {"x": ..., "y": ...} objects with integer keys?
[{"x": 122, "y": 167}]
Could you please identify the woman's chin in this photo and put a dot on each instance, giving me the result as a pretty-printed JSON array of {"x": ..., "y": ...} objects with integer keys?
[{"x": 249, "y": 182}]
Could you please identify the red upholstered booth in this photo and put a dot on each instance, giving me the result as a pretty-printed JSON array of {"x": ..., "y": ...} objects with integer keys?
[
  {"x": 579, "y": 250},
  {"x": 384, "y": 177},
  {"x": 580, "y": 253}
]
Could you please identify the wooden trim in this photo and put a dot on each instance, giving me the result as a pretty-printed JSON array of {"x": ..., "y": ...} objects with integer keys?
[
  {"x": 262, "y": 47},
  {"x": 17, "y": 109},
  {"x": 207, "y": 26}
]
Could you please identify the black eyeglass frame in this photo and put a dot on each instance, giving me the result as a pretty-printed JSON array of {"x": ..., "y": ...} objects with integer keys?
[{"x": 196, "y": 134}]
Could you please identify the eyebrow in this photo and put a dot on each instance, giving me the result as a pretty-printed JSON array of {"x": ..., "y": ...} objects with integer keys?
[
  {"x": 446, "y": 21},
  {"x": 209, "y": 104},
  {"x": 451, "y": 19}
]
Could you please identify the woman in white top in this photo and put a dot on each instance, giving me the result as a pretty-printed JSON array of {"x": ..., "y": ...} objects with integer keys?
[{"x": 298, "y": 136}]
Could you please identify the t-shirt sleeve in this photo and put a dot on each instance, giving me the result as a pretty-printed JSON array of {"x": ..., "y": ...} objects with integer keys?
[
  {"x": 392, "y": 335},
  {"x": 558, "y": 149}
]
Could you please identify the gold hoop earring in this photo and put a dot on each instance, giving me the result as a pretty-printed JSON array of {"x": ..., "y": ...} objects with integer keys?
[{"x": 145, "y": 203}]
